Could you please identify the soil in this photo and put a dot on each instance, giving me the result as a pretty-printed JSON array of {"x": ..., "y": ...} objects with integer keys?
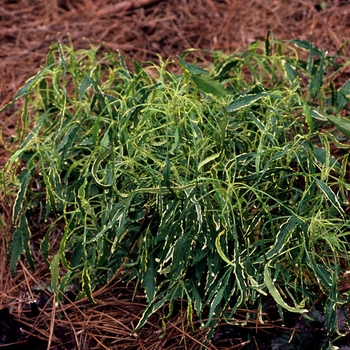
[{"x": 142, "y": 29}]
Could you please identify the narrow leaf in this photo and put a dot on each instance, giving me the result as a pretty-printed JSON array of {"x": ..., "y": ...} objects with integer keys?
[
  {"x": 247, "y": 100},
  {"x": 209, "y": 85},
  {"x": 87, "y": 288},
  {"x": 54, "y": 268},
  {"x": 85, "y": 84},
  {"x": 208, "y": 159},
  {"x": 306, "y": 45},
  {"x": 343, "y": 96},
  {"x": 26, "y": 89},
  {"x": 26, "y": 234},
  {"x": 150, "y": 280},
  {"x": 330, "y": 196},
  {"x": 24, "y": 180},
  {"x": 193, "y": 69},
  {"x": 342, "y": 124},
  {"x": 16, "y": 249},
  {"x": 276, "y": 295},
  {"x": 281, "y": 238}
]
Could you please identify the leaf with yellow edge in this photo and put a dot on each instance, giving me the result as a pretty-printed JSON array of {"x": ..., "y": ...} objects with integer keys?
[{"x": 276, "y": 295}]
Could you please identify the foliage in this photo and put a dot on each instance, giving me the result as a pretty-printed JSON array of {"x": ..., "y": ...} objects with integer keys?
[{"x": 216, "y": 185}]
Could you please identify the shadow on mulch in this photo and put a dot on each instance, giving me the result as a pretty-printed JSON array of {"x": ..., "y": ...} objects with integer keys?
[{"x": 142, "y": 29}]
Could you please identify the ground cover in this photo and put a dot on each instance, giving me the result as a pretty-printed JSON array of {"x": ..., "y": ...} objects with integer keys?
[{"x": 210, "y": 186}]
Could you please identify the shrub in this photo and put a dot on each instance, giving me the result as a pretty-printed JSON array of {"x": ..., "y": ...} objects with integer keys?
[{"x": 216, "y": 185}]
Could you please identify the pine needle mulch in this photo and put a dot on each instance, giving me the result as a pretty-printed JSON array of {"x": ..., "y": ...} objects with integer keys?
[{"x": 142, "y": 29}]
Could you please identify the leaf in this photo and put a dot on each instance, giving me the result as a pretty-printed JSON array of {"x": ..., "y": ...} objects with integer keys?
[
  {"x": 26, "y": 234},
  {"x": 181, "y": 255},
  {"x": 276, "y": 295},
  {"x": 150, "y": 279},
  {"x": 267, "y": 44},
  {"x": 330, "y": 196},
  {"x": 290, "y": 71},
  {"x": 166, "y": 171},
  {"x": 16, "y": 249},
  {"x": 172, "y": 294},
  {"x": 85, "y": 84},
  {"x": 208, "y": 159},
  {"x": 317, "y": 115},
  {"x": 54, "y": 268},
  {"x": 44, "y": 93},
  {"x": 18, "y": 206},
  {"x": 219, "y": 295},
  {"x": 247, "y": 100},
  {"x": 209, "y": 85},
  {"x": 342, "y": 124},
  {"x": 343, "y": 96},
  {"x": 96, "y": 166},
  {"x": 86, "y": 285},
  {"x": 220, "y": 251},
  {"x": 321, "y": 155},
  {"x": 115, "y": 215},
  {"x": 226, "y": 67},
  {"x": 308, "y": 115},
  {"x": 77, "y": 255},
  {"x": 26, "y": 89},
  {"x": 193, "y": 69},
  {"x": 281, "y": 238},
  {"x": 316, "y": 80},
  {"x": 306, "y": 45}
]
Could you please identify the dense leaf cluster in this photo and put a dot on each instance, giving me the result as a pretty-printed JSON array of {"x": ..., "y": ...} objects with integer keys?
[{"x": 216, "y": 186}]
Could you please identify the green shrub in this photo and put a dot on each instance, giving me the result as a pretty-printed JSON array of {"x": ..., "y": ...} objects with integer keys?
[{"x": 214, "y": 185}]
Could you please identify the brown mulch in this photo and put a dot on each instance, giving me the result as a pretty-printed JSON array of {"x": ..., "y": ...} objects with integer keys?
[{"x": 142, "y": 29}]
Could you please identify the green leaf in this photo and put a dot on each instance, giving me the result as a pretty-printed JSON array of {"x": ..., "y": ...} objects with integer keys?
[
  {"x": 208, "y": 159},
  {"x": 316, "y": 80},
  {"x": 343, "y": 96},
  {"x": 55, "y": 268},
  {"x": 96, "y": 169},
  {"x": 209, "y": 85},
  {"x": 247, "y": 100},
  {"x": 16, "y": 249},
  {"x": 321, "y": 274},
  {"x": 171, "y": 294},
  {"x": 219, "y": 295},
  {"x": 23, "y": 178},
  {"x": 44, "y": 93},
  {"x": 87, "y": 288},
  {"x": 342, "y": 124},
  {"x": 330, "y": 196},
  {"x": 308, "y": 46},
  {"x": 226, "y": 67},
  {"x": 308, "y": 115},
  {"x": 317, "y": 115},
  {"x": 26, "y": 89},
  {"x": 291, "y": 71},
  {"x": 321, "y": 155},
  {"x": 85, "y": 84},
  {"x": 193, "y": 69},
  {"x": 181, "y": 255},
  {"x": 267, "y": 44},
  {"x": 26, "y": 235},
  {"x": 281, "y": 239},
  {"x": 77, "y": 255},
  {"x": 276, "y": 295},
  {"x": 167, "y": 171},
  {"x": 150, "y": 280},
  {"x": 220, "y": 251}
]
